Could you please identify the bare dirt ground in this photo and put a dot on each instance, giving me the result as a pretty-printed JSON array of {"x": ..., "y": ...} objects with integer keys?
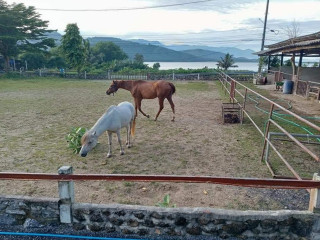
[
  {"x": 309, "y": 106},
  {"x": 36, "y": 117}
]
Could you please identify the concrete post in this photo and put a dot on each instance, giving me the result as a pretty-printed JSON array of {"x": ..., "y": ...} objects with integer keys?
[
  {"x": 66, "y": 195},
  {"x": 314, "y": 204}
]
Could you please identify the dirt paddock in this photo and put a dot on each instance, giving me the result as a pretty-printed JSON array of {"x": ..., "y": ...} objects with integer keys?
[{"x": 36, "y": 115}]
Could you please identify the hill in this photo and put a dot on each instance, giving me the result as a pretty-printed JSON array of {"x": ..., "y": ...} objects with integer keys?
[
  {"x": 155, "y": 51},
  {"x": 236, "y": 52},
  {"x": 151, "y": 53},
  {"x": 207, "y": 55}
]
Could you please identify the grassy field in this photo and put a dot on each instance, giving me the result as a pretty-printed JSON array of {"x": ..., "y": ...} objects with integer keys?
[{"x": 37, "y": 114}]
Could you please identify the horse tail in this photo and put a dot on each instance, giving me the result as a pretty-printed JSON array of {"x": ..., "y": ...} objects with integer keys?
[
  {"x": 173, "y": 88},
  {"x": 133, "y": 127}
]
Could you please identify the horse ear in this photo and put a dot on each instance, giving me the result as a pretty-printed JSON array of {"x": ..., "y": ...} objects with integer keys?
[
  {"x": 94, "y": 133},
  {"x": 113, "y": 81}
]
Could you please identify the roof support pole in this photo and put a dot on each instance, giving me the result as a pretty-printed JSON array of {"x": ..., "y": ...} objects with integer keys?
[
  {"x": 281, "y": 61},
  {"x": 300, "y": 59}
]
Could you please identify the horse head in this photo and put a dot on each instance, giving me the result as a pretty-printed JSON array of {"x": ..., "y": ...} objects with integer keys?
[
  {"x": 88, "y": 141},
  {"x": 113, "y": 88}
]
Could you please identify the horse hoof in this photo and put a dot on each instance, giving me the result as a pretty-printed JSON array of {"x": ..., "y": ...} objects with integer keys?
[
  {"x": 109, "y": 156},
  {"x": 148, "y": 116},
  {"x": 128, "y": 146},
  {"x": 121, "y": 153}
]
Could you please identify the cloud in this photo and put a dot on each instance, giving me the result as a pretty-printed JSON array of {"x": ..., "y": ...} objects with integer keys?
[{"x": 214, "y": 5}]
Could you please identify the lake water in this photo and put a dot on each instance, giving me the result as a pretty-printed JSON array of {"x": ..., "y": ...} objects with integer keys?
[{"x": 251, "y": 66}]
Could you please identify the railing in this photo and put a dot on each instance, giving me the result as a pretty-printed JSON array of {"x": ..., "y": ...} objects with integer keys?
[
  {"x": 203, "y": 76},
  {"x": 243, "y": 182},
  {"x": 66, "y": 178},
  {"x": 226, "y": 81},
  {"x": 230, "y": 85}
]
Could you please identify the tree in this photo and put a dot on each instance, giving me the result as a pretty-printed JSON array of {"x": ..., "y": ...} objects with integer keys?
[
  {"x": 107, "y": 52},
  {"x": 226, "y": 62},
  {"x": 156, "y": 66},
  {"x": 87, "y": 51},
  {"x": 22, "y": 30},
  {"x": 138, "y": 59},
  {"x": 274, "y": 61},
  {"x": 292, "y": 32},
  {"x": 34, "y": 60},
  {"x": 73, "y": 48}
]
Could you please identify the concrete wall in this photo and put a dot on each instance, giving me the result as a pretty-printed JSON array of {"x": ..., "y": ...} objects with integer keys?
[
  {"x": 152, "y": 222},
  {"x": 287, "y": 70},
  {"x": 309, "y": 74}
]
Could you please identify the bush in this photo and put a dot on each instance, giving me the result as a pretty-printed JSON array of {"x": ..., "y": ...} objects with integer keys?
[{"x": 74, "y": 138}]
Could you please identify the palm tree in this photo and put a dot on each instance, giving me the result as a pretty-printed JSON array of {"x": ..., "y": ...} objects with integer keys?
[{"x": 226, "y": 62}]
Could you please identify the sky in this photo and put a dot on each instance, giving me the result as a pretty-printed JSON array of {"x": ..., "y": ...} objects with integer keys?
[{"x": 216, "y": 23}]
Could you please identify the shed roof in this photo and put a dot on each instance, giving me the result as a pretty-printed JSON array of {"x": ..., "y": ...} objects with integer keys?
[{"x": 309, "y": 44}]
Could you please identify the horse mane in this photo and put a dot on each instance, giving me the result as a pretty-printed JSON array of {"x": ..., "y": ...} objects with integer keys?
[
  {"x": 84, "y": 138},
  {"x": 110, "y": 109}
]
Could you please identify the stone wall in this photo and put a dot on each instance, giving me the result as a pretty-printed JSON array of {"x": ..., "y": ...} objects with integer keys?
[
  {"x": 15, "y": 210},
  {"x": 152, "y": 222},
  {"x": 187, "y": 222}
]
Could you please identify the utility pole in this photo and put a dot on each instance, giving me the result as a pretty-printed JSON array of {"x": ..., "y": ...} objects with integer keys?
[
  {"x": 265, "y": 26},
  {"x": 264, "y": 33}
]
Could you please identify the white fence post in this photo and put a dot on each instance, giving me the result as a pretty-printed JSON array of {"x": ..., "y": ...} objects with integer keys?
[
  {"x": 314, "y": 204},
  {"x": 66, "y": 195}
]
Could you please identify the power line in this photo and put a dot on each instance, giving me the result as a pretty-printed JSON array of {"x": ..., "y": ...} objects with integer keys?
[{"x": 122, "y": 9}]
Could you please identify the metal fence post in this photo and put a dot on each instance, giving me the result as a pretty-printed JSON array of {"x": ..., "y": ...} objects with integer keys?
[
  {"x": 314, "y": 204},
  {"x": 244, "y": 104},
  {"x": 66, "y": 195},
  {"x": 267, "y": 131}
]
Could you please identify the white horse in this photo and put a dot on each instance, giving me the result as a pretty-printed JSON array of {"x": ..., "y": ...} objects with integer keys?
[{"x": 115, "y": 118}]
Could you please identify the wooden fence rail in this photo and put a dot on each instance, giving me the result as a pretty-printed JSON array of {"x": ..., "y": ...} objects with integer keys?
[
  {"x": 243, "y": 182},
  {"x": 231, "y": 85}
]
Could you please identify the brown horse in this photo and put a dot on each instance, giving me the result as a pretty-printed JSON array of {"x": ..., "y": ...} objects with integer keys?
[{"x": 146, "y": 90}]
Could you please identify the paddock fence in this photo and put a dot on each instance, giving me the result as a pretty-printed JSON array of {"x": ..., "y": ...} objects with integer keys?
[
  {"x": 239, "y": 95},
  {"x": 65, "y": 176},
  {"x": 203, "y": 76}
]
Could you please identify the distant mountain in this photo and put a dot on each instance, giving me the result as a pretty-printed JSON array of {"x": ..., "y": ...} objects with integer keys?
[
  {"x": 146, "y": 42},
  {"x": 236, "y": 52},
  {"x": 55, "y": 35},
  {"x": 207, "y": 55},
  {"x": 155, "y": 51},
  {"x": 214, "y": 56},
  {"x": 151, "y": 53}
]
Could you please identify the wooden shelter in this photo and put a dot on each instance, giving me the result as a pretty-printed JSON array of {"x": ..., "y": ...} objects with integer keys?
[
  {"x": 303, "y": 46},
  {"x": 307, "y": 79}
]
